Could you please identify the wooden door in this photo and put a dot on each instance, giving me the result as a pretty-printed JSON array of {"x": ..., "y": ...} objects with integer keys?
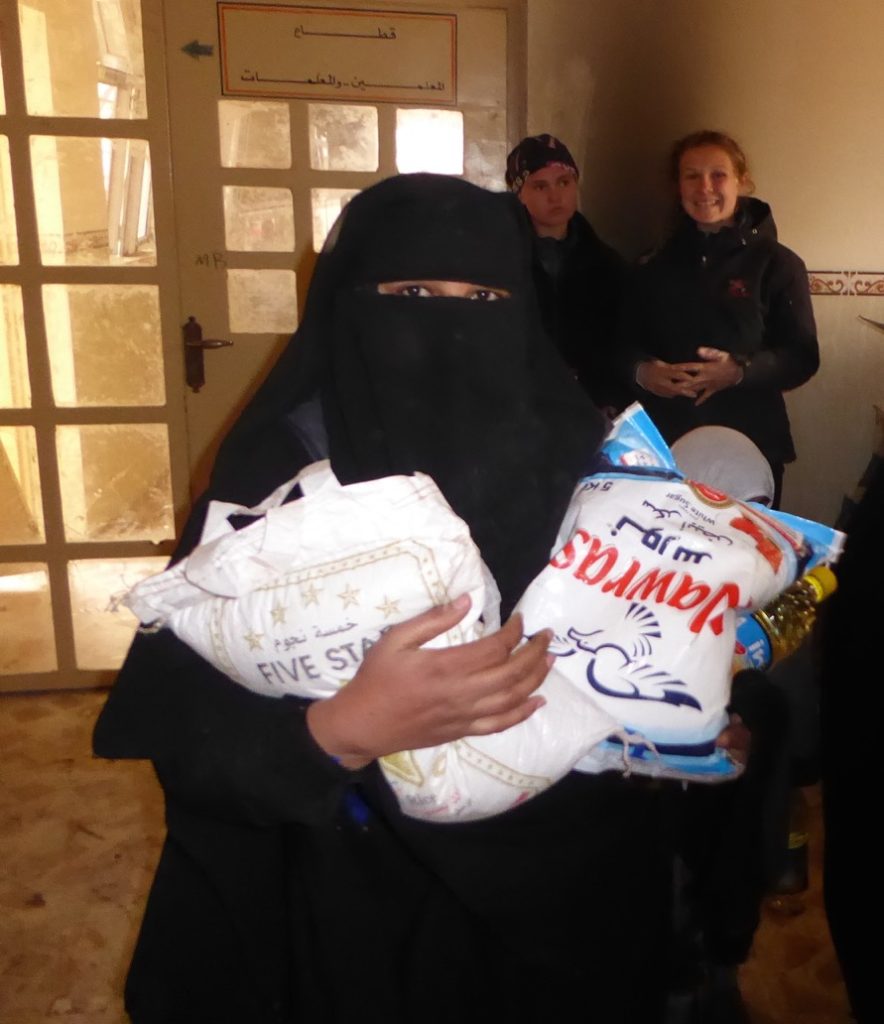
[{"x": 152, "y": 177}]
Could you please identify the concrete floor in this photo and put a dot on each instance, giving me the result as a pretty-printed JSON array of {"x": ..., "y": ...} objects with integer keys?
[{"x": 79, "y": 839}]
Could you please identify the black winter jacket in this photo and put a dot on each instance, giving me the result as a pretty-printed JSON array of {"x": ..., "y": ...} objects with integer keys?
[
  {"x": 579, "y": 282},
  {"x": 738, "y": 290}
]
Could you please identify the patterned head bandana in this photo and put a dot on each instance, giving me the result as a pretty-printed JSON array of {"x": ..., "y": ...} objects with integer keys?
[{"x": 533, "y": 154}]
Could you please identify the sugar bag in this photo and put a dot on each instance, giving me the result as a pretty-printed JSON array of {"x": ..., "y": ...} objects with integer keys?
[{"x": 643, "y": 595}]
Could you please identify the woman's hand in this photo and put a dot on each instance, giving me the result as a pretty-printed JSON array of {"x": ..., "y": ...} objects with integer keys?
[
  {"x": 405, "y": 697},
  {"x": 700, "y": 381},
  {"x": 736, "y": 739},
  {"x": 668, "y": 380},
  {"x": 717, "y": 372}
]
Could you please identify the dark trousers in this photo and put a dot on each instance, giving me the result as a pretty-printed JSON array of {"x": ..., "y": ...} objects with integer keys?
[{"x": 721, "y": 832}]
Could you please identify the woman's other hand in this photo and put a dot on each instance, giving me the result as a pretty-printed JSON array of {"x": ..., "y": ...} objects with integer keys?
[
  {"x": 668, "y": 380},
  {"x": 736, "y": 739},
  {"x": 717, "y": 372},
  {"x": 405, "y": 696}
]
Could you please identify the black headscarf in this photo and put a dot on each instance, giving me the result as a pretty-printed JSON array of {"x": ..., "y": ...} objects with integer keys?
[
  {"x": 472, "y": 393},
  {"x": 467, "y": 391}
]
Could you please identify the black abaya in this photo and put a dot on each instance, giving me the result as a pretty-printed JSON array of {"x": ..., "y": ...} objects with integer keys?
[{"x": 278, "y": 897}]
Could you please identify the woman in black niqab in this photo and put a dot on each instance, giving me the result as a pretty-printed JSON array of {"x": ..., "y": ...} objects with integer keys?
[
  {"x": 469, "y": 392},
  {"x": 289, "y": 888}
]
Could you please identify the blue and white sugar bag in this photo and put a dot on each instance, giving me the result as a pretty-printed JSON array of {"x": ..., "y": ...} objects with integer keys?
[{"x": 643, "y": 593}]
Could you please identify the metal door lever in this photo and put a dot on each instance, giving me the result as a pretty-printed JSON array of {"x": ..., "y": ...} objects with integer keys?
[{"x": 194, "y": 343}]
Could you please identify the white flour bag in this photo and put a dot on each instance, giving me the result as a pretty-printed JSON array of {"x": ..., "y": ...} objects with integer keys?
[{"x": 289, "y": 605}]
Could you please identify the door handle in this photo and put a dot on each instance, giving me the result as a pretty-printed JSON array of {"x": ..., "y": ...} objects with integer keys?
[{"x": 194, "y": 343}]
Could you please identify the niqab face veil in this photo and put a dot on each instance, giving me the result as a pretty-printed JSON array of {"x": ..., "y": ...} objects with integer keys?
[{"x": 470, "y": 392}]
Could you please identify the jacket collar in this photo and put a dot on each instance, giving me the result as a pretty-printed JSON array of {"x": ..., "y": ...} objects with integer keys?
[{"x": 753, "y": 222}]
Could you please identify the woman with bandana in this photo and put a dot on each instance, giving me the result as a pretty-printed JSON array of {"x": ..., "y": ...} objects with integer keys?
[
  {"x": 290, "y": 887},
  {"x": 579, "y": 279}
]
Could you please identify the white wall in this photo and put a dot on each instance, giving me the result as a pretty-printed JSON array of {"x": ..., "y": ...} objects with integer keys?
[{"x": 800, "y": 84}]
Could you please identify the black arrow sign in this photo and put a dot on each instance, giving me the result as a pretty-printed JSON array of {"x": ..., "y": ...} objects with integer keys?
[{"x": 197, "y": 50}]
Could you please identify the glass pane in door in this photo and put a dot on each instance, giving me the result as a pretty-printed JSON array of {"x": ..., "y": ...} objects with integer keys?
[
  {"x": 254, "y": 134},
  {"x": 258, "y": 219},
  {"x": 326, "y": 205},
  {"x": 15, "y": 386},
  {"x": 94, "y": 201},
  {"x": 21, "y": 505},
  {"x": 429, "y": 140},
  {"x": 343, "y": 137},
  {"x": 8, "y": 234},
  {"x": 25, "y": 619},
  {"x": 105, "y": 344},
  {"x": 107, "y": 77},
  {"x": 485, "y": 152},
  {"x": 262, "y": 301},
  {"x": 103, "y": 627},
  {"x": 115, "y": 482}
]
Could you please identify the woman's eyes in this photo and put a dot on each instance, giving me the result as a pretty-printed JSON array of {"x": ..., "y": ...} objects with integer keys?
[
  {"x": 696, "y": 175},
  {"x": 416, "y": 290},
  {"x": 566, "y": 181}
]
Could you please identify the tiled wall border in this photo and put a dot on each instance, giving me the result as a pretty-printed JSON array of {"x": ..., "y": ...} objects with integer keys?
[{"x": 846, "y": 282}]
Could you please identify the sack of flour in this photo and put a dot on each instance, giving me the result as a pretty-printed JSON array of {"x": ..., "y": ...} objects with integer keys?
[
  {"x": 289, "y": 605},
  {"x": 644, "y": 591}
]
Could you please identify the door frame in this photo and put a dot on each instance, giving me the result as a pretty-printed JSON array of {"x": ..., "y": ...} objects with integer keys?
[{"x": 30, "y": 274}]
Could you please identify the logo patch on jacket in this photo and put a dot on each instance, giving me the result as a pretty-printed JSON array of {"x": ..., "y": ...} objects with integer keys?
[{"x": 737, "y": 288}]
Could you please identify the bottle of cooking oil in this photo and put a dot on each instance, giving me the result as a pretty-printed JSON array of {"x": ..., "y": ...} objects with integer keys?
[{"x": 769, "y": 634}]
